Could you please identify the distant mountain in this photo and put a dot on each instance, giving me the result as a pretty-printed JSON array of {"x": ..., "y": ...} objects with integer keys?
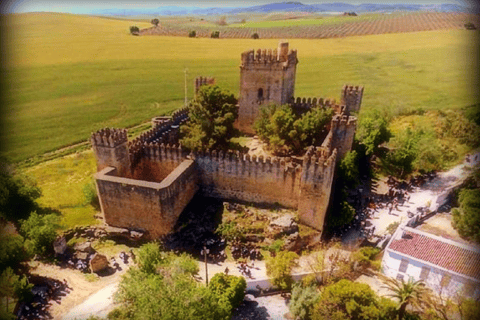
[{"x": 289, "y": 6}]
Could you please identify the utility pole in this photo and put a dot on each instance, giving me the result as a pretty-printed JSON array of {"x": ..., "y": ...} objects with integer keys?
[
  {"x": 185, "y": 70},
  {"x": 205, "y": 252}
]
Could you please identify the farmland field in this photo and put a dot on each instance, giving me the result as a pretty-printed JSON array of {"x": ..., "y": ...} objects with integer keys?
[
  {"x": 322, "y": 27},
  {"x": 69, "y": 75}
]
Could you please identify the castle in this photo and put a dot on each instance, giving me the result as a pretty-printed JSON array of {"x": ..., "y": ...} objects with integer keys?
[{"x": 146, "y": 183}]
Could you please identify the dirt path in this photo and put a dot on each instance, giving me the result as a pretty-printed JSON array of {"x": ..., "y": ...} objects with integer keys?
[{"x": 82, "y": 288}]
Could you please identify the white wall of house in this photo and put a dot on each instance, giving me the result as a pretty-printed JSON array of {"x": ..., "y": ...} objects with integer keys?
[{"x": 441, "y": 280}]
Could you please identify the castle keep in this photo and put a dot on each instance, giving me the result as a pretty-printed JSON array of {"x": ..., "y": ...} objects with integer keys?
[{"x": 146, "y": 183}]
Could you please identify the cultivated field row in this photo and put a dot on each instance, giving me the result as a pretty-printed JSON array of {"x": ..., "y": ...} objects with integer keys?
[{"x": 383, "y": 24}]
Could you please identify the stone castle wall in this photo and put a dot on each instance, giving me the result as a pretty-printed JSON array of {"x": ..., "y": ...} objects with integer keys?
[
  {"x": 241, "y": 177},
  {"x": 151, "y": 206}
]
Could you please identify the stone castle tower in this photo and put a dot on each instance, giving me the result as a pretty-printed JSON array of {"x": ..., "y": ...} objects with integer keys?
[
  {"x": 111, "y": 150},
  {"x": 266, "y": 76}
]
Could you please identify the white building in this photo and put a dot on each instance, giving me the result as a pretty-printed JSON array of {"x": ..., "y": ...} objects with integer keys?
[{"x": 446, "y": 266}]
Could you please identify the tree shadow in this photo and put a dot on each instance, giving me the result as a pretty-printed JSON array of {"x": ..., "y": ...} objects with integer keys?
[{"x": 250, "y": 310}]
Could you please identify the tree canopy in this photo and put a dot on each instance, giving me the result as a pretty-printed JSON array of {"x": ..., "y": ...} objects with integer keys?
[
  {"x": 40, "y": 232},
  {"x": 373, "y": 131},
  {"x": 348, "y": 300},
  {"x": 466, "y": 218},
  {"x": 287, "y": 132},
  {"x": 163, "y": 287},
  {"x": 212, "y": 114},
  {"x": 17, "y": 197}
]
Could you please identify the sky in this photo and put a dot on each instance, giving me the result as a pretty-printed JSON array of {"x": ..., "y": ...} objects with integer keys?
[{"x": 82, "y": 6}]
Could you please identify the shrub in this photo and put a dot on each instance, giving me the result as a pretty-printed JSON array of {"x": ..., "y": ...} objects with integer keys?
[
  {"x": 134, "y": 30},
  {"x": 280, "y": 267},
  {"x": 192, "y": 34},
  {"x": 40, "y": 232},
  {"x": 466, "y": 218},
  {"x": 215, "y": 34},
  {"x": 470, "y": 26},
  {"x": 229, "y": 289},
  {"x": 365, "y": 256},
  {"x": 255, "y": 36},
  {"x": 230, "y": 231},
  {"x": 303, "y": 301},
  {"x": 348, "y": 300},
  {"x": 392, "y": 227},
  {"x": 90, "y": 193},
  {"x": 149, "y": 257},
  {"x": 222, "y": 21}
]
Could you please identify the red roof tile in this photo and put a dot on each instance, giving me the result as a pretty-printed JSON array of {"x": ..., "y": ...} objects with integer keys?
[{"x": 442, "y": 254}]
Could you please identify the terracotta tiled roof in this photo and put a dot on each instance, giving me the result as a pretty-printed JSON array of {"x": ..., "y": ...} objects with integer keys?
[{"x": 444, "y": 254}]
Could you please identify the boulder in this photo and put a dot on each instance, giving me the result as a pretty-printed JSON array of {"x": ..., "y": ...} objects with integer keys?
[
  {"x": 84, "y": 247},
  {"x": 60, "y": 245},
  {"x": 81, "y": 255},
  {"x": 282, "y": 225},
  {"x": 293, "y": 243},
  {"x": 98, "y": 262}
]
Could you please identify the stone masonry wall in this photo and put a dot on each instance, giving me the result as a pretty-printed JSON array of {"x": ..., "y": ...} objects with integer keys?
[
  {"x": 241, "y": 177},
  {"x": 266, "y": 76},
  {"x": 151, "y": 206},
  {"x": 318, "y": 170}
]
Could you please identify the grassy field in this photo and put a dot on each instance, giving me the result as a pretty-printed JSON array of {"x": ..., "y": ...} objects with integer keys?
[
  {"x": 70, "y": 75},
  {"x": 320, "y": 20}
]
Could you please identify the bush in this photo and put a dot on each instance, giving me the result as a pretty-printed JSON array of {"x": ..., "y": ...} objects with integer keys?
[
  {"x": 303, "y": 300},
  {"x": 280, "y": 267},
  {"x": 392, "y": 227},
  {"x": 230, "y": 231},
  {"x": 155, "y": 22},
  {"x": 470, "y": 26},
  {"x": 466, "y": 218},
  {"x": 134, "y": 30},
  {"x": 348, "y": 300},
  {"x": 255, "y": 36},
  {"x": 90, "y": 193},
  {"x": 365, "y": 256},
  {"x": 222, "y": 21},
  {"x": 229, "y": 289},
  {"x": 215, "y": 34},
  {"x": 40, "y": 232},
  {"x": 192, "y": 34},
  {"x": 12, "y": 251},
  {"x": 149, "y": 257}
]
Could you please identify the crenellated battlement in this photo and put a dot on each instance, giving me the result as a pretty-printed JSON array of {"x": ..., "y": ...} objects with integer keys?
[
  {"x": 343, "y": 121},
  {"x": 281, "y": 56},
  {"x": 351, "y": 96},
  {"x": 109, "y": 137},
  {"x": 303, "y": 105},
  {"x": 202, "y": 81}
]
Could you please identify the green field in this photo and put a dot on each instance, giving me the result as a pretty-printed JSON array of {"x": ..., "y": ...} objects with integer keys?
[
  {"x": 319, "y": 20},
  {"x": 70, "y": 75}
]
